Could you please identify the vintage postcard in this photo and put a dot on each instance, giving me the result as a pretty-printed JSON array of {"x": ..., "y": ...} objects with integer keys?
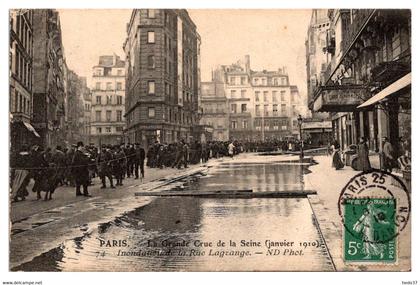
[{"x": 210, "y": 140}]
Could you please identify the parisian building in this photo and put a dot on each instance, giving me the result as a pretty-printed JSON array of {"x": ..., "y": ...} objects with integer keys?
[
  {"x": 317, "y": 129},
  {"x": 21, "y": 78},
  {"x": 107, "y": 106},
  {"x": 215, "y": 114},
  {"x": 262, "y": 105},
  {"x": 366, "y": 85},
  {"x": 78, "y": 101},
  {"x": 162, "y": 76},
  {"x": 48, "y": 66}
]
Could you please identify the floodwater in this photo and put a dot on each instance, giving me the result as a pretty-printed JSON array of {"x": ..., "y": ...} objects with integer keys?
[{"x": 202, "y": 234}]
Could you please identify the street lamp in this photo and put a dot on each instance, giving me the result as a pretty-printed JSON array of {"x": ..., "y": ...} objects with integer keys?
[{"x": 300, "y": 120}]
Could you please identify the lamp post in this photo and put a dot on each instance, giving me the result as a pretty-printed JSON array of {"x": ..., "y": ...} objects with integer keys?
[{"x": 300, "y": 120}]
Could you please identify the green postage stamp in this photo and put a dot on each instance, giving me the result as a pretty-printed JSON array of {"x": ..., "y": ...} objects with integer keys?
[{"x": 370, "y": 233}]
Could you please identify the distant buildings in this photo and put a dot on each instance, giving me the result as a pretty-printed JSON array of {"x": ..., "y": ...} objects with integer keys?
[
  {"x": 215, "y": 109},
  {"x": 108, "y": 101},
  {"x": 365, "y": 84},
  {"x": 261, "y": 104},
  {"x": 77, "y": 117},
  {"x": 163, "y": 76},
  {"x": 318, "y": 128}
]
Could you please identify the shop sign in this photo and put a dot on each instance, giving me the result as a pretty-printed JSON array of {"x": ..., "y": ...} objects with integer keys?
[{"x": 342, "y": 98}]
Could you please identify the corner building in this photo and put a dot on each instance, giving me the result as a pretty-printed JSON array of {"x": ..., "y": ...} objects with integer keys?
[{"x": 162, "y": 76}]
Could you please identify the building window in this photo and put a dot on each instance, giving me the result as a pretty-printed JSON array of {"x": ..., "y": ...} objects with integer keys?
[
  {"x": 265, "y": 96},
  {"x": 294, "y": 110},
  {"x": 108, "y": 129},
  {"x": 109, "y": 86},
  {"x": 234, "y": 124},
  {"x": 243, "y": 108},
  {"x": 257, "y": 96},
  {"x": 98, "y": 86},
  {"x": 151, "y": 37},
  {"x": 283, "y": 109},
  {"x": 243, "y": 80},
  {"x": 283, "y": 81},
  {"x": 119, "y": 129},
  {"x": 266, "y": 125},
  {"x": 119, "y": 115},
  {"x": 98, "y": 100},
  {"x": 119, "y": 85},
  {"x": 274, "y": 94},
  {"x": 265, "y": 110},
  {"x": 108, "y": 116},
  {"x": 99, "y": 130},
  {"x": 151, "y": 87},
  {"x": 275, "y": 81},
  {"x": 151, "y": 61},
  {"x": 283, "y": 96},
  {"x": 119, "y": 72},
  {"x": 232, "y": 80},
  {"x": 108, "y": 99},
  {"x": 119, "y": 100},
  {"x": 256, "y": 81},
  {"x": 151, "y": 13},
  {"x": 98, "y": 116},
  {"x": 263, "y": 81},
  {"x": 257, "y": 110},
  {"x": 244, "y": 124},
  {"x": 232, "y": 93},
  {"x": 243, "y": 93},
  {"x": 233, "y": 108},
  {"x": 275, "y": 111},
  {"x": 151, "y": 112}
]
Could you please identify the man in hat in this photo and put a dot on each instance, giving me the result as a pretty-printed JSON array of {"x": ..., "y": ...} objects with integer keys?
[
  {"x": 104, "y": 166},
  {"x": 139, "y": 161},
  {"x": 80, "y": 170}
]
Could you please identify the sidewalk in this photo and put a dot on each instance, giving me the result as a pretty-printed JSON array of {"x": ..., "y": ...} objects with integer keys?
[
  {"x": 328, "y": 183},
  {"x": 38, "y": 226},
  {"x": 65, "y": 195}
]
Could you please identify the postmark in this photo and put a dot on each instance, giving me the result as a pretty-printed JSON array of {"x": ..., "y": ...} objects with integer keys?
[{"x": 374, "y": 208}]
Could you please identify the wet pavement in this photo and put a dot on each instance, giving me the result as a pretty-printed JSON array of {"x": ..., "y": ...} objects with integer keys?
[{"x": 185, "y": 233}]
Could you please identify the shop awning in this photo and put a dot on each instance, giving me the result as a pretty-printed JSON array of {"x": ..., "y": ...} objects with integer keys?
[
  {"x": 31, "y": 129},
  {"x": 394, "y": 87}
]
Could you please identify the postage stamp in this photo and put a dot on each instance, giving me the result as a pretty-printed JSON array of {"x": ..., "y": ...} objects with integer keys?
[
  {"x": 370, "y": 229},
  {"x": 375, "y": 208}
]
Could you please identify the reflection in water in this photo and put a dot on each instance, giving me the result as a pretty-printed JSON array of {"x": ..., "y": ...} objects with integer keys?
[{"x": 179, "y": 221}]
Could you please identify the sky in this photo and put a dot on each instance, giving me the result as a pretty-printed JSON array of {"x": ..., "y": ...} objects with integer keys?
[{"x": 273, "y": 38}]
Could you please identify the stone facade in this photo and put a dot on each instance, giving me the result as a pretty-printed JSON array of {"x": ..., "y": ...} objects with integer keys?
[
  {"x": 162, "y": 66},
  {"x": 262, "y": 104},
  {"x": 48, "y": 78},
  {"x": 108, "y": 101},
  {"x": 21, "y": 78}
]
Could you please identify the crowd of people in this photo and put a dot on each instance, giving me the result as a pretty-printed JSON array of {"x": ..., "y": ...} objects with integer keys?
[
  {"x": 78, "y": 165},
  {"x": 391, "y": 157}
]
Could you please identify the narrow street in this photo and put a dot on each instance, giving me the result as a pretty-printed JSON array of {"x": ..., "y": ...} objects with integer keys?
[{"x": 54, "y": 235}]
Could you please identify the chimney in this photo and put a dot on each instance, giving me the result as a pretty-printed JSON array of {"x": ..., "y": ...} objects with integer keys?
[{"x": 247, "y": 63}]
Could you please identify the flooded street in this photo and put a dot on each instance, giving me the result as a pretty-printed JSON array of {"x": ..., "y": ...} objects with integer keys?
[{"x": 186, "y": 233}]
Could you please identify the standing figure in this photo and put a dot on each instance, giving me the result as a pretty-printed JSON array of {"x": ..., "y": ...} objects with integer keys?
[
  {"x": 120, "y": 163},
  {"x": 139, "y": 161},
  {"x": 387, "y": 155},
  {"x": 103, "y": 162},
  {"x": 363, "y": 163},
  {"x": 336, "y": 161},
  {"x": 231, "y": 149},
  {"x": 80, "y": 170}
]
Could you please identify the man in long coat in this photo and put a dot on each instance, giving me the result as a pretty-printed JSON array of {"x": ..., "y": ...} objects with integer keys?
[{"x": 80, "y": 170}]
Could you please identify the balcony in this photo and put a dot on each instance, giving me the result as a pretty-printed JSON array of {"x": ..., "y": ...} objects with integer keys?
[
  {"x": 340, "y": 98},
  {"x": 360, "y": 18}
]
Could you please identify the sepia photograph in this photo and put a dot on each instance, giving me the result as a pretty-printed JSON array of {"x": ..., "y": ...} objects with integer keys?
[{"x": 209, "y": 140}]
